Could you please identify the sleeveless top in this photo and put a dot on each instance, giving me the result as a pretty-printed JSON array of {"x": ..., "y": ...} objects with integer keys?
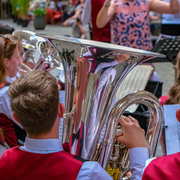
[
  {"x": 17, "y": 164},
  {"x": 163, "y": 168},
  {"x": 130, "y": 25},
  {"x": 99, "y": 34}
]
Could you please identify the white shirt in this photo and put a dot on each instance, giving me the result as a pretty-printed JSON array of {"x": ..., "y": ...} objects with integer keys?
[
  {"x": 138, "y": 157},
  {"x": 5, "y": 107}
]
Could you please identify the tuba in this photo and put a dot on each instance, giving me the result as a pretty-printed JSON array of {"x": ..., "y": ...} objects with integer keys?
[{"x": 93, "y": 73}]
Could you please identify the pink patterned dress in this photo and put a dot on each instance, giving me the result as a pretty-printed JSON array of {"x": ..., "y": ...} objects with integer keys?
[{"x": 130, "y": 25}]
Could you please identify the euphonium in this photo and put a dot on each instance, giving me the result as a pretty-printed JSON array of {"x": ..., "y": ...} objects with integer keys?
[
  {"x": 32, "y": 59},
  {"x": 30, "y": 54},
  {"x": 93, "y": 73}
]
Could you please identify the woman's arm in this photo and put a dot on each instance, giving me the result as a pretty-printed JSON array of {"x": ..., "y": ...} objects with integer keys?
[
  {"x": 105, "y": 14},
  {"x": 164, "y": 7}
]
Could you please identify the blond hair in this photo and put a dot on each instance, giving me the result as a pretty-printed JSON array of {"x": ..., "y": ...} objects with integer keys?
[{"x": 34, "y": 101}]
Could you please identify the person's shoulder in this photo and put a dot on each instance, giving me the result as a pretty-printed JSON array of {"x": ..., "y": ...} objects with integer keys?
[
  {"x": 9, "y": 152},
  {"x": 4, "y": 97},
  {"x": 4, "y": 91},
  {"x": 168, "y": 158},
  {"x": 164, "y": 167}
]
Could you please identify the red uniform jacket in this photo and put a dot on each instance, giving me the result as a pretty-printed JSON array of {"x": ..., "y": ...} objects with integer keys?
[
  {"x": 9, "y": 133},
  {"x": 17, "y": 164},
  {"x": 163, "y": 168},
  {"x": 8, "y": 127}
]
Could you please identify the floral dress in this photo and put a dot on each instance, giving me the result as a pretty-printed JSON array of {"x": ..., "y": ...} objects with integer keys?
[{"x": 130, "y": 25}]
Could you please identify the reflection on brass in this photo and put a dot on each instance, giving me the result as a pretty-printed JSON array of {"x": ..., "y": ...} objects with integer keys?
[
  {"x": 38, "y": 53},
  {"x": 93, "y": 72}
]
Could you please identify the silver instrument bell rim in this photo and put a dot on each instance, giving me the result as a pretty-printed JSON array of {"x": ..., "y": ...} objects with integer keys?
[
  {"x": 113, "y": 47},
  {"x": 30, "y": 36}
]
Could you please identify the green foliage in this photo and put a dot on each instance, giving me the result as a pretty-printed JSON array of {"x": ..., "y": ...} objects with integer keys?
[
  {"x": 24, "y": 6},
  {"x": 13, "y": 6},
  {"x": 20, "y": 6},
  {"x": 39, "y": 12}
]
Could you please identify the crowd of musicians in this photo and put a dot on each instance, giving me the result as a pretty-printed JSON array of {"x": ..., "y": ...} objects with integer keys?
[{"x": 30, "y": 110}]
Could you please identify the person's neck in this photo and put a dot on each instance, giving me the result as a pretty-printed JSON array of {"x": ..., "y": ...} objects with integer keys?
[
  {"x": 45, "y": 136},
  {"x": 52, "y": 134}
]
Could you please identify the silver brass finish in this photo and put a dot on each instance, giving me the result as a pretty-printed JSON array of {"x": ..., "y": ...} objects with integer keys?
[{"x": 93, "y": 73}]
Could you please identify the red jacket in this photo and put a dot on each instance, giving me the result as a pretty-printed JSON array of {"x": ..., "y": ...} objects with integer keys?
[
  {"x": 17, "y": 164},
  {"x": 163, "y": 168},
  {"x": 9, "y": 133},
  {"x": 8, "y": 127}
]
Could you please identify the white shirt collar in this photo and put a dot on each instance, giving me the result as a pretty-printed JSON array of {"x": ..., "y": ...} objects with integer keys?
[{"x": 42, "y": 145}]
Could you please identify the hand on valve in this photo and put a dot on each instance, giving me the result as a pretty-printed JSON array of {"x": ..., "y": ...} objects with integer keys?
[{"x": 132, "y": 134}]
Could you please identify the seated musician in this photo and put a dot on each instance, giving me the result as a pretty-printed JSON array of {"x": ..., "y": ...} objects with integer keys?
[
  {"x": 10, "y": 58},
  {"x": 174, "y": 95},
  {"x": 161, "y": 168},
  {"x": 35, "y": 104}
]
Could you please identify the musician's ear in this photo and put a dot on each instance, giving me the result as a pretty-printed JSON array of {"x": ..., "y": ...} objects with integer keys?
[
  {"x": 61, "y": 110},
  {"x": 15, "y": 118},
  {"x": 6, "y": 62}
]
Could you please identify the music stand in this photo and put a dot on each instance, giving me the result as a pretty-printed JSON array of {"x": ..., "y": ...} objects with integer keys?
[
  {"x": 142, "y": 113},
  {"x": 167, "y": 45}
]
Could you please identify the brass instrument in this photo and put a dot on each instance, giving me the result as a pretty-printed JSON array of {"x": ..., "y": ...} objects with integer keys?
[
  {"x": 93, "y": 73},
  {"x": 33, "y": 59},
  {"x": 31, "y": 54}
]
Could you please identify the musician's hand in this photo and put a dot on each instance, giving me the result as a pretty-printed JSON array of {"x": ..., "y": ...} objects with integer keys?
[{"x": 132, "y": 134}]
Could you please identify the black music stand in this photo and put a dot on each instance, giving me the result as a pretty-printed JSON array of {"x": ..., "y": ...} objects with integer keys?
[
  {"x": 154, "y": 87},
  {"x": 167, "y": 45},
  {"x": 142, "y": 113}
]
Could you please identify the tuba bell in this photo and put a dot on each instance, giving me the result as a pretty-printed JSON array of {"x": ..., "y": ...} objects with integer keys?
[{"x": 93, "y": 73}]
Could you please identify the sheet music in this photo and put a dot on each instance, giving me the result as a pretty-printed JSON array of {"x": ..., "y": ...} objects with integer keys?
[
  {"x": 62, "y": 100},
  {"x": 172, "y": 129},
  {"x": 136, "y": 80}
]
